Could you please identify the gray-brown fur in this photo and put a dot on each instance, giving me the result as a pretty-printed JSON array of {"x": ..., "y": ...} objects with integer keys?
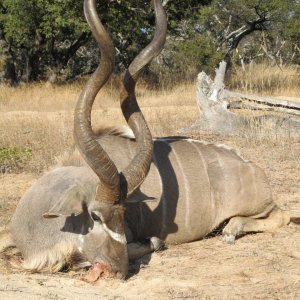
[
  {"x": 192, "y": 187},
  {"x": 68, "y": 193}
]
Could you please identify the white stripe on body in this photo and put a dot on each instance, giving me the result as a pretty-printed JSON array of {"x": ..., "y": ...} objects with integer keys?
[
  {"x": 204, "y": 164},
  {"x": 186, "y": 189},
  {"x": 224, "y": 192},
  {"x": 163, "y": 199},
  {"x": 253, "y": 180}
]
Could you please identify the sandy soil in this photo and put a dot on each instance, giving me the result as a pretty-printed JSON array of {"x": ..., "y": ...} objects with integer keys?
[{"x": 257, "y": 266}]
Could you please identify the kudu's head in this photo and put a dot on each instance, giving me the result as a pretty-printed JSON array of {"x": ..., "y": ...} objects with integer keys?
[{"x": 105, "y": 240}]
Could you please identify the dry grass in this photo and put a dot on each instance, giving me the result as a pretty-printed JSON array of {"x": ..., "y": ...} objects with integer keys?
[
  {"x": 39, "y": 117},
  {"x": 267, "y": 79},
  {"x": 49, "y": 134},
  {"x": 48, "y": 98},
  {"x": 38, "y": 97}
]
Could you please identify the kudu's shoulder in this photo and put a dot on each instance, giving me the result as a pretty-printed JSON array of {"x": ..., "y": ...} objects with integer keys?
[{"x": 59, "y": 179}]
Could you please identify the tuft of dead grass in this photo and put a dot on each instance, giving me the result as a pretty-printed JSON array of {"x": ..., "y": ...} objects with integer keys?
[
  {"x": 267, "y": 79},
  {"x": 38, "y": 97},
  {"x": 45, "y": 135}
]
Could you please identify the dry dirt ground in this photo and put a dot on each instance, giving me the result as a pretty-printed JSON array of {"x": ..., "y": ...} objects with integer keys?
[{"x": 257, "y": 266}]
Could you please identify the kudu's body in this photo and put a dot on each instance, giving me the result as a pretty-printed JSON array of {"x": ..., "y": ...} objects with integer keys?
[{"x": 191, "y": 188}]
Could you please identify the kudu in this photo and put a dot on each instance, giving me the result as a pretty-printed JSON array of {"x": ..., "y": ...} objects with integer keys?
[{"x": 94, "y": 211}]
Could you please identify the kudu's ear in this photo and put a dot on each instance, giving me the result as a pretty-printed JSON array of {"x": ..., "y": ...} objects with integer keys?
[{"x": 70, "y": 203}]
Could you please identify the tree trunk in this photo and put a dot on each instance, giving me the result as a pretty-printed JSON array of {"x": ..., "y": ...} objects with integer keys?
[
  {"x": 7, "y": 67},
  {"x": 62, "y": 57}
]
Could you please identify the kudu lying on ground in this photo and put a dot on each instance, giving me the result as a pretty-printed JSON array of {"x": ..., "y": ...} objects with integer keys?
[{"x": 96, "y": 213}]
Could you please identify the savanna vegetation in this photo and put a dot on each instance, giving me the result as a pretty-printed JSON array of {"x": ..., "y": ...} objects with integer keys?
[
  {"x": 50, "y": 40},
  {"x": 47, "y": 53}
]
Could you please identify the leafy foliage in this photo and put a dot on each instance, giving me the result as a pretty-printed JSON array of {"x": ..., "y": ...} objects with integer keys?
[
  {"x": 184, "y": 59},
  {"x": 41, "y": 33},
  {"x": 234, "y": 20},
  {"x": 50, "y": 40}
]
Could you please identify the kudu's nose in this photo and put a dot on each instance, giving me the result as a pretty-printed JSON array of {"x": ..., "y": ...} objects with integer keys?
[{"x": 122, "y": 270}]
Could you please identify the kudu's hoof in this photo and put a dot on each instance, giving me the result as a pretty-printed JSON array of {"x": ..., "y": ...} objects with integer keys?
[
  {"x": 157, "y": 244},
  {"x": 228, "y": 238}
]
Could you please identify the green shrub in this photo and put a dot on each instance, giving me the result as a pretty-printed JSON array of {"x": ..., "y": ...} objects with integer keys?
[
  {"x": 183, "y": 59},
  {"x": 14, "y": 159}
]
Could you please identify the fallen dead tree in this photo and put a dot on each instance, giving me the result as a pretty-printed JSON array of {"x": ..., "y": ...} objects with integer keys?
[
  {"x": 218, "y": 109},
  {"x": 245, "y": 101}
]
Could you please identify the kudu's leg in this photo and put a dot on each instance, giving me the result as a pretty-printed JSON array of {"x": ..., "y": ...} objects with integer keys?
[
  {"x": 5, "y": 240},
  {"x": 8, "y": 248},
  {"x": 239, "y": 225},
  {"x": 138, "y": 250}
]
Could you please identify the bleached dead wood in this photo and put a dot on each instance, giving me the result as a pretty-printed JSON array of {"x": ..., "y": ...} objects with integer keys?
[
  {"x": 246, "y": 104},
  {"x": 264, "y": 103},
  {"x": 214, "y": 102}
]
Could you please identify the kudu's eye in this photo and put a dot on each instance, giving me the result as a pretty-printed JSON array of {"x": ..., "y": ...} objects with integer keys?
[{"x": 96, "y": 217}]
